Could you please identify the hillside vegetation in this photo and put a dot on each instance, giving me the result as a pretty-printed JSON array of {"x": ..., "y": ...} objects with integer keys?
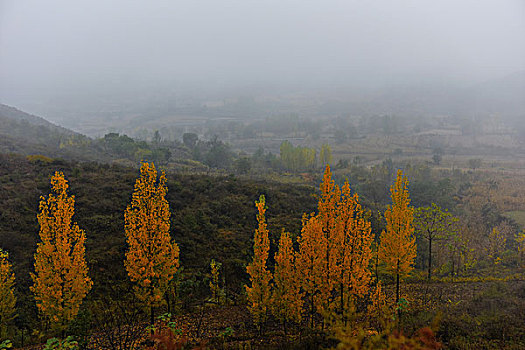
[
  {"x": 464, "y": 241},
  {"x": 212, "y": 217}
]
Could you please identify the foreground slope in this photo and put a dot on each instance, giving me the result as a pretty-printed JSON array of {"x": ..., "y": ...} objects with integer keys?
[{"x": 212, "y": 217}]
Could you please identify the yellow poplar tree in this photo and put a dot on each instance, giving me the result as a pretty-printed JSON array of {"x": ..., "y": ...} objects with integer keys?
[
  {"x": 216, "y": 292},
  {"x": 7, "y": 295},
  {"x": 397, "y": 248},
  {"x": 330, "y": 242},
  {"x": 60, "y": 280},
  {"x": 310, "y": 263},
  {"x": 355, "y": 230},
  {"x": 152, "y": 258},
  {"x": 346, "y": 242},
  {"x": 260, "y": 277},
  {"x": 286, "y": 296},
  {"x": 335, "y": 250},
  {"x": 377, "y": 301}
]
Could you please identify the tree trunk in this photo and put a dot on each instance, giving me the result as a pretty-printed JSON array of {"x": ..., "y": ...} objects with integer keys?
[
  {"x": 341, "y": 299},
  {"x": 377, "y": 265},
  {"x": 397, "y": 288},
  {"x": 312, "y": 311},
  {"x": 430, "y": 258},
  {"x": 397, "y": 296},
  {"x": 453, "y": 267},
  {"x": 152, "y": 319},
  {"x": 397, "y": 283}
]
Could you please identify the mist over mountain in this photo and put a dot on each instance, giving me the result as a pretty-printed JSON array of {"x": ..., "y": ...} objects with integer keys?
[
  {"x": 155, "y": 106},
  {"x": 84, "y": 63}
]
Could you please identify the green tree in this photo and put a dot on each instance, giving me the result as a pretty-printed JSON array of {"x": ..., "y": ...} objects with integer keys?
[
  {"x": 296, "y": 158},
  {"x": 243, "y": 165},
  {"x": 219, "y": 154},
  {"x": 432, "y": 223},
  {"x": 437, "y": 155},
  {"x": 474, "y": 163},
  {"x": 325, "y": 155},
  {"x": 190, "y": 139}
]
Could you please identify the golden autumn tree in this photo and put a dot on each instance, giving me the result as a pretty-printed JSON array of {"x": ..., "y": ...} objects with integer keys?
[
  {"x": 152, "y": 258},
  {"x": 335, "y": 250},
  {"x": 61, "y": 278},
  {"x": 378, "y": 308},
  {"x": 7, "y": 295},
  {"x": 260, "y": 277},
  {"x": 330, "y": 242},
  {"x": 310, "y": 263},
  {"x": 397, "y": 248},
  {"x": 216, "y": 290},
  {"x": 354, "y": 229},
  {"x": 286, "y": 296}
]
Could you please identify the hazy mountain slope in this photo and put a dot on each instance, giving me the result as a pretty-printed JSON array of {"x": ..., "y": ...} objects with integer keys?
[
  {"x": 8, "y": 112},
  {"x": 26, "y": 134}
]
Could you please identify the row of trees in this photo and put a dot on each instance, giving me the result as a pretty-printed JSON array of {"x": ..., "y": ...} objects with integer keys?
[
  {"x": 330, "y": 273},
  {"x": 333, "y": 255},
  {"x": 303, "y": 158},
  {"x": 126, "y": 147},
  {"x": 61, "y": 280}
]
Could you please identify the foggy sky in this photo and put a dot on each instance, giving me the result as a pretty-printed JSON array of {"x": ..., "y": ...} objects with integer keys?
[{"x": 50, "y": 45}]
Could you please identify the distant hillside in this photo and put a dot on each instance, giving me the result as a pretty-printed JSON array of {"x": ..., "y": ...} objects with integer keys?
[
  {"x": 8, "y": 112},
  {"x": 24, "y": 133}
]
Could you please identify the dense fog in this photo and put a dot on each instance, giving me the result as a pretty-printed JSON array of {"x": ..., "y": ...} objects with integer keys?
[{"x": 55, "y": 52}]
